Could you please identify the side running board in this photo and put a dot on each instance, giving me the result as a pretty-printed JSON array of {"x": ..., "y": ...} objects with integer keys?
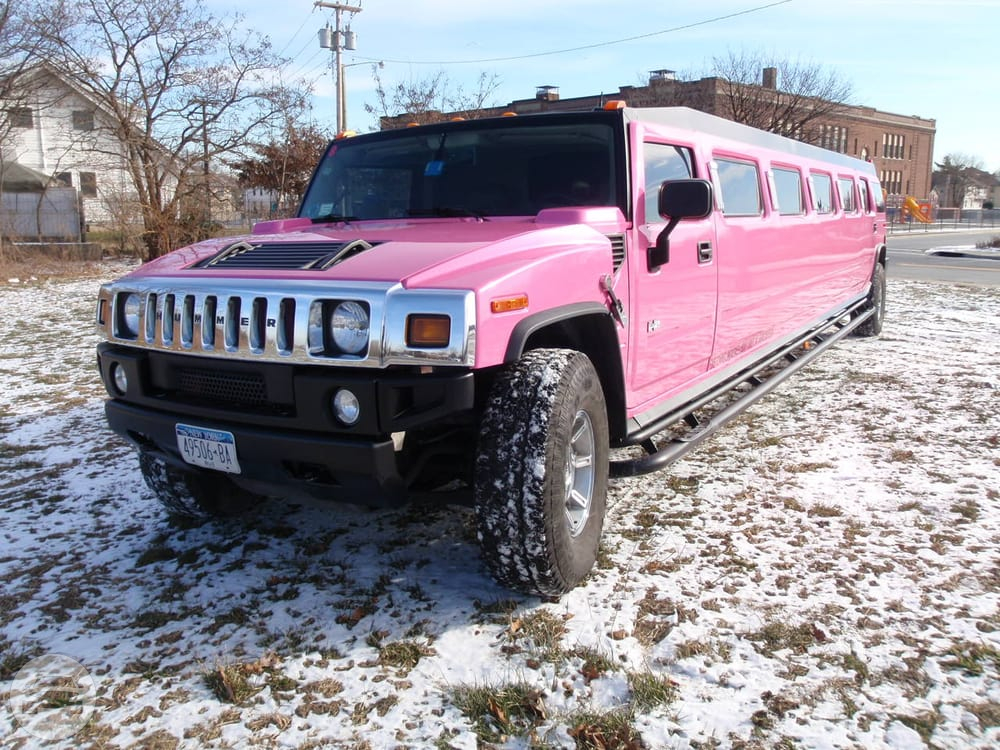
[{"x": 759, "y": 379}]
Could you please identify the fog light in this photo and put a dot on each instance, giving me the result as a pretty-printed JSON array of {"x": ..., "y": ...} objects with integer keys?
[
  {"x": 346, "y": 407},
  {"x": 119, "y": 378}
]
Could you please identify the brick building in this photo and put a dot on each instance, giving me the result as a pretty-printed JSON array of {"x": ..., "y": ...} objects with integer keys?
[{"x": 901, "y": 146}]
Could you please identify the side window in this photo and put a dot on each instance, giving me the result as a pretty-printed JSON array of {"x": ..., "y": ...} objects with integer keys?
[
  {"x": 822, "y": 192},
  {"x": 879, "y": 197},
  {"x": 863, "y": 190},
  {"x": 663, "y": 162},
  {"x": 788, "y": 186},
  {"x": 846, "y": 186},
  {"x": 740, "y": 187}
]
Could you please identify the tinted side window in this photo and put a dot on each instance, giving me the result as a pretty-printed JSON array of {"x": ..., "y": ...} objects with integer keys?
[
  {"x": 740, "y": 188},
  {"x": 879, "y": 197},
  {"x": 863, "y": 189},
  {"x": 846, "y": 186},
  {"x": 822, "y": 192},
  {"x": 663, "y": 162},
  {"x": 788, "y": 185}
]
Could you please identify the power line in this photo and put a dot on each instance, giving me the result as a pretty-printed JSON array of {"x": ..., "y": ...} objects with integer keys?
[
  {"x": 586, "y": 46},
  {"x": 297, "y": 32}
]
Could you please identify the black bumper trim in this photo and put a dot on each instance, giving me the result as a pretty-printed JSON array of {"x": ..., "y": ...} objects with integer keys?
[{"x": 333, "y": 467}]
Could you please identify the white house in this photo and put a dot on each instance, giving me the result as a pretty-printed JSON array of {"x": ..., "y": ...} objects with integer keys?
[{"x": 56, "y": 129}]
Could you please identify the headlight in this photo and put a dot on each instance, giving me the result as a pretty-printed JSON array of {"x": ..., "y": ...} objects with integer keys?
[
  {"x": 349, "y": 327},
  {"x": 129, "y": 315}
]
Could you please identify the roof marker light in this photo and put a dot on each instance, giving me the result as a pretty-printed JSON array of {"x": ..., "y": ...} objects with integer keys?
[{"x": 614, "y": 104}]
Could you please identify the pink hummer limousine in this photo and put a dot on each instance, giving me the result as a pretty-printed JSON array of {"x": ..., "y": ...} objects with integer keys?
[{"x": 485, "y": 310}]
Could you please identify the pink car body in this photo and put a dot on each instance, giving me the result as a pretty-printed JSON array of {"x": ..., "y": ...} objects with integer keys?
[{"x": 775, "y": 242}]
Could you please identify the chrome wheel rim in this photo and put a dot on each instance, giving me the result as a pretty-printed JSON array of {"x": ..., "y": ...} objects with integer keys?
[{"x": 579, "y": 473}]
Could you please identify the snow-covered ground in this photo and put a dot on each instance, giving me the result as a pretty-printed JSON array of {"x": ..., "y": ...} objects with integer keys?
[{"x": 824, "y": 573}]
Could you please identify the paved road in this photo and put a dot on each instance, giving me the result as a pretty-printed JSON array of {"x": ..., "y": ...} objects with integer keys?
[{"x": 908, "y": 258}]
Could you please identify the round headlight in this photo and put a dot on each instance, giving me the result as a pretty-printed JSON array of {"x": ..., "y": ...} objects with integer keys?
[
  {"x": 120, "y": 378},
  {"x": 349, "y": 327},
  {"x": 346, "y": 407},
  {"x": 130, "y": 314}
]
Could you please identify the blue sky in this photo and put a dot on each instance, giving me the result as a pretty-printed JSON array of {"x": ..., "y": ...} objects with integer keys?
[{"x": 913, "y": 57}]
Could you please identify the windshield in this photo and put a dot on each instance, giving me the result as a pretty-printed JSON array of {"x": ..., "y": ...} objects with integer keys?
[{"x": 485, "y": 168}]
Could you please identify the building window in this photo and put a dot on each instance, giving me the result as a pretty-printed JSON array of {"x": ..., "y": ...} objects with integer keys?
[
  {"x": 88, "y": 184},
  {"x": 21, "y": 117},
  {"x": 893, "y": 146},
  {"x": 64, "y": 179},
  {"x": 83, "y": 120}
]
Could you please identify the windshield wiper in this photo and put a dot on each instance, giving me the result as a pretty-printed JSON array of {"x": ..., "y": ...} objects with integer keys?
[
  {"x": 330, "y": 218},
  {"x": 445, "y": 212}
]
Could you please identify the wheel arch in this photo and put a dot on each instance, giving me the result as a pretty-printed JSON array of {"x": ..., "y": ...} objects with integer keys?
[{"x": 588, "y": 328}]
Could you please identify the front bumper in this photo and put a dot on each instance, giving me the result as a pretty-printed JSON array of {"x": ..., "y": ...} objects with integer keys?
[{"x": 288, "y": 441}]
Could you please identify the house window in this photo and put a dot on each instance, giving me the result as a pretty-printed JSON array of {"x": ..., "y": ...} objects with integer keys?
[
  {"x": 64, "y": 179},
  {"x": 88, "y": 184},
  {"x": 83, "y": 120},
  {"x": 21, "y": 117}
]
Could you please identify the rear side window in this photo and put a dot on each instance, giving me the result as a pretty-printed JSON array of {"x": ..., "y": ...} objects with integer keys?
[
  {"x": 788, "y": 187},
  {"x": 846, "y": 186},
  {"x": 863, "y": 190},
  {"x": 739, "y": 184},
  {"x": 879, "y": 197},
  {"x": 822, "y": 192},
  {"x": 663, "y": 162}
]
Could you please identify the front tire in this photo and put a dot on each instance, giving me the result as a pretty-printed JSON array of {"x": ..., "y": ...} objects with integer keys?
[
  {"x": 193, "y": 493},
  {"x": 542, "y": 472},
  {"x": 876, "y": 301}
]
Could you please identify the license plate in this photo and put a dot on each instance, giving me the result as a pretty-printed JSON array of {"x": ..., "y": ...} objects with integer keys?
[{"x": 210, "y": 449}]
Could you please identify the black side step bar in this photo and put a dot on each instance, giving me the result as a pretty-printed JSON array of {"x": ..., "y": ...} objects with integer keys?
[{"x": 761, "y": 378}]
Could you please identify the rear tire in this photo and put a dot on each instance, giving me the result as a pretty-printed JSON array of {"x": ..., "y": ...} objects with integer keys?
[
  {"x": 876, "y": 302},
  {"x": 542, "y": 472},
  {"x": 193, "y": 493}
]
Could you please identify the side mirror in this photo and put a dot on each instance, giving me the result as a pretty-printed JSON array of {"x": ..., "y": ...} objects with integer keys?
[{"x": 678, "y": 199}]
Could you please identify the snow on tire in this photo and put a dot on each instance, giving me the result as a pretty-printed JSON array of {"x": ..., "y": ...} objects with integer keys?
[
  {"x": 194, "y": 494},
  {"x": 542, "y": 472},
  {"x": 876, "y": 302}
]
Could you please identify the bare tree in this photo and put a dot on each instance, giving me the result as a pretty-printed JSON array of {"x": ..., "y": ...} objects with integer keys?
[
  {"x": 283, "y": 166},
  {"x": 426, "y": 100},
  {"x": 778, "y": 95},
  {"x": 177, "y": 88},
  {"x": 954, "y": 176}
]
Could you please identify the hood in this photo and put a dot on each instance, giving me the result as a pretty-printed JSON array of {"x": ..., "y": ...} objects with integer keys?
[{"x": 414, "y": 253}]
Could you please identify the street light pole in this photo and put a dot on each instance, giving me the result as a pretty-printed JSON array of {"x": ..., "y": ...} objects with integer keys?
[{"x": 338, "y": 46}]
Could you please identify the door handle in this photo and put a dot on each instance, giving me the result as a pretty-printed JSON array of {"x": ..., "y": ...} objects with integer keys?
[{"x": 704, "y": 252}]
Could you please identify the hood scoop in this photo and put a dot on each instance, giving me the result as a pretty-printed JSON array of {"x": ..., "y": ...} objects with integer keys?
[{"x": 303, "y": 256}]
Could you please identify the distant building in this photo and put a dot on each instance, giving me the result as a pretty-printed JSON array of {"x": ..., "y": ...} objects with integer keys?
[{"x": 900, "y": 146}]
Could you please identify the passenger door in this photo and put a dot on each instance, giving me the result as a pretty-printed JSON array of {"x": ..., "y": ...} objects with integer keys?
[{"x": 673, "y": 311}]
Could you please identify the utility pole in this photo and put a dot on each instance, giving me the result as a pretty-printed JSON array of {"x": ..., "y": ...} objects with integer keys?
[{"x": 338, "y": 47}]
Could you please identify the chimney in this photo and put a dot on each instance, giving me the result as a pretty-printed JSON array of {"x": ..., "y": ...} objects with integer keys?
[
  {"x": 656, "y": 76},
  {"x": 769, "y": 79},
  {"x": 547, "y": 93}
]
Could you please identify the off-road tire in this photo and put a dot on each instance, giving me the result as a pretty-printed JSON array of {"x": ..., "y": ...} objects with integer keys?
[
  {"x": 534, "y": 539},
  {"x": 876, "y": 302},
  {"x": 193, "y": 493}
]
